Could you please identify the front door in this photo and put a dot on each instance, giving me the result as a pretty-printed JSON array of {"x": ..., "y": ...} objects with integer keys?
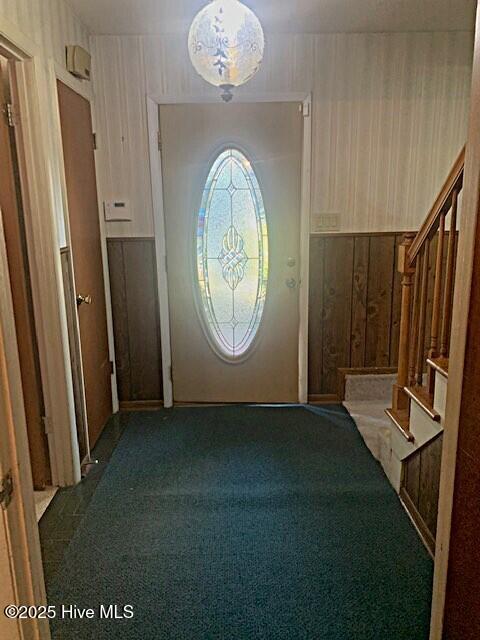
[
  {"x": 77, "y": 139},
  {"x": 231, "y": 177}
]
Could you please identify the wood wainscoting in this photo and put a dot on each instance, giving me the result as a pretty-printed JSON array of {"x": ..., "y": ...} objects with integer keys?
[
  {"x": 420, "y": 489},
  {"x": 354, "y": 311},
  {"x": 354, "y": 306},
  {"x": 136, "y": 321}
]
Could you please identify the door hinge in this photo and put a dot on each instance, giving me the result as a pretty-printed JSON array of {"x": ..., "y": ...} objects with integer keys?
[
  {"x": 6, "y": 490},
  {"x": 159, "y": 140},
  {"x": 306, "y": 109},
  {"x": 94, "y": 136},
  {"x": 11, "y": 114},
  {"x": 112, "y": 368}
]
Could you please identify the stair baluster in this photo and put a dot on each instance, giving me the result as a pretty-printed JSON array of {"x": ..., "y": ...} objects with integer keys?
[
  {"x": 447, "y": 302},
  {"x": 419, "y": 353}
]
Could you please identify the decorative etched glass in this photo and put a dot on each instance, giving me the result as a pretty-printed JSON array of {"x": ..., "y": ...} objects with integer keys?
[
  {"x": 226, "y": 44},
  {"x": 232, "y": 254}
]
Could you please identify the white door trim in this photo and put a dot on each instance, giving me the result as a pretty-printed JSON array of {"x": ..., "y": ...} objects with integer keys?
[
  {"x": 23, "y": 542},
  {"x": 41, "y": 201},
  {"x": 160, "y": 247},
  {"x": 153, "y": 104},
  {"x": 305, "y": 217}
]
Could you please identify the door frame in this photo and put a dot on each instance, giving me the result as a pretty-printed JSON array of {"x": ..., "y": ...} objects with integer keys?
[
  {"x": 85, "y": 90},
  {"x": 469, "y": 220},
  {"x": 19, "y": 519},
  {"x": 37, "y": 161},
  {"x": 153, "y": 105},
  {"x": 21, "y": 524}
]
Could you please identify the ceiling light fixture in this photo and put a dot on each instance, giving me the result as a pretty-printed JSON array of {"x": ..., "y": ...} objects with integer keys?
[{"x": 226, "y": 44}]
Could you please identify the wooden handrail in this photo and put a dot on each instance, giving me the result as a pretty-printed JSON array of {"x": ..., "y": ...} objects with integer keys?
[
  {"x": 417, "y": 286},
  {"x": 441, "y": 205}
]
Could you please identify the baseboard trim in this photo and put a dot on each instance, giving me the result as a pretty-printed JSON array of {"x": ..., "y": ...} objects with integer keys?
[
  {"x": 418, "y": 522},
  {"x": 324, "y": 398},
  {"x": 141, "y": 405}
]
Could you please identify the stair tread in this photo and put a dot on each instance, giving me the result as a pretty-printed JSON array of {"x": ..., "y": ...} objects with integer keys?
[
  {"x": 424, "y": 399},
  {"x": 401, "y": 420},
  {"x": 440, "y": 364}
]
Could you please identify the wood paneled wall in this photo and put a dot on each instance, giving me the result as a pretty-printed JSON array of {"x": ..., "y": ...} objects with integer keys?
[
  {"x": 354, "y": 310},
  {"x": 136, "y": 323},
  {"x": 354, "y": 305}
]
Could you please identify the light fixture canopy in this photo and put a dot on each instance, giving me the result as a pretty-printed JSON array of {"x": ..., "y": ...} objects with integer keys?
[{"x": 226, "y": 44}]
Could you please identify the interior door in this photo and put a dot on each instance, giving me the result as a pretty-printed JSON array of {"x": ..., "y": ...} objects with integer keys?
[
  {"x": 78, "y": 153},
  {"x": 232, "y": 180},
  {"x": 11, "y": 206}
]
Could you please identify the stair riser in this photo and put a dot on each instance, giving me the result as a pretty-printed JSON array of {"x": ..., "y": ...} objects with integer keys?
[
  {"x": 422, "y": 427},
  {"x": 440, "y": 397}
]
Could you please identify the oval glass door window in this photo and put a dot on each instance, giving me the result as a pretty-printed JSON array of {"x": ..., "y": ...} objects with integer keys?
[{"x": 232, "y": 254}]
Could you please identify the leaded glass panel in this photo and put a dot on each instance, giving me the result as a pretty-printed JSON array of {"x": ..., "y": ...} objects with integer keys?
[{"x": 232, "y": 253}]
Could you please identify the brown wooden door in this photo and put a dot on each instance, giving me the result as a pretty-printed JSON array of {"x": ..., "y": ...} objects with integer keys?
[
  {"x": 12, "y": 215},
  {"x": 77, "y": 138}
]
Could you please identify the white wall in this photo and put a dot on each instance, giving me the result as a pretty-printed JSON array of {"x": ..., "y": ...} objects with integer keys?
[
  {"x": 51, "y": 24},
  {"x": 390, "y": 115},
  {"x": 48, "y": 25}
]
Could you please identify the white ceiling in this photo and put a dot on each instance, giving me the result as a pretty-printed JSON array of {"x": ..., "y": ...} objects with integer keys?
[{"x": 312, "y": 16}]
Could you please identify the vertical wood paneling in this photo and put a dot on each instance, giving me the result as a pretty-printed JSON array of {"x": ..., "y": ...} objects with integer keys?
[
  {"x": 421, "y": 485},
  {"x": 143, "y": 323},
  {"x": 135, "y": 319},
  {"x": 431, "y": 458},
  {"x": 412, "y": 478},
  {"x": 120, "y": 318},
  {"x": 337, "y": 309},
  {"x": 315, "y": 315},
  {"x": 379, "y": 300},
  {"x": 354, "y": 309},
  {"x": 359, "y": 300}
]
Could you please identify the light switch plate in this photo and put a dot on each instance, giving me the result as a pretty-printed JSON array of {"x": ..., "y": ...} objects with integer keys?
[{"x": 327, "y": 221}]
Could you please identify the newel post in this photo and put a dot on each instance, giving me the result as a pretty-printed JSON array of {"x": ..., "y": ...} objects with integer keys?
[{"x": 408, "y": 271}]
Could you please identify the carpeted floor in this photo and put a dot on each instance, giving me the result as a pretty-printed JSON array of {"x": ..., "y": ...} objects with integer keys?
[{"x": 241, "y": 523}]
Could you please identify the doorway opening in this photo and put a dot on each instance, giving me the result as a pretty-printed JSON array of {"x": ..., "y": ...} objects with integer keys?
[{"x": 232, "y": 205}]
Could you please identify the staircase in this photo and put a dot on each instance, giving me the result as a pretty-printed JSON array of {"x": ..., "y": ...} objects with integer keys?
[{"x": 427, "y": 263}]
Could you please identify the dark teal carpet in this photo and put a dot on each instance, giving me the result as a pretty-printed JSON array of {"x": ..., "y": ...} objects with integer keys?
[{"x": 244, "y": 523}]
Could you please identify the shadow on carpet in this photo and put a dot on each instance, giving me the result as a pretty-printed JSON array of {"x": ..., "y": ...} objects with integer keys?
[{"x": 245, "y": 522}]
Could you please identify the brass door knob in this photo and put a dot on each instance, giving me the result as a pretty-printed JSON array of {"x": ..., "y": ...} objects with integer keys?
[{"x": 81, "y": 299}]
